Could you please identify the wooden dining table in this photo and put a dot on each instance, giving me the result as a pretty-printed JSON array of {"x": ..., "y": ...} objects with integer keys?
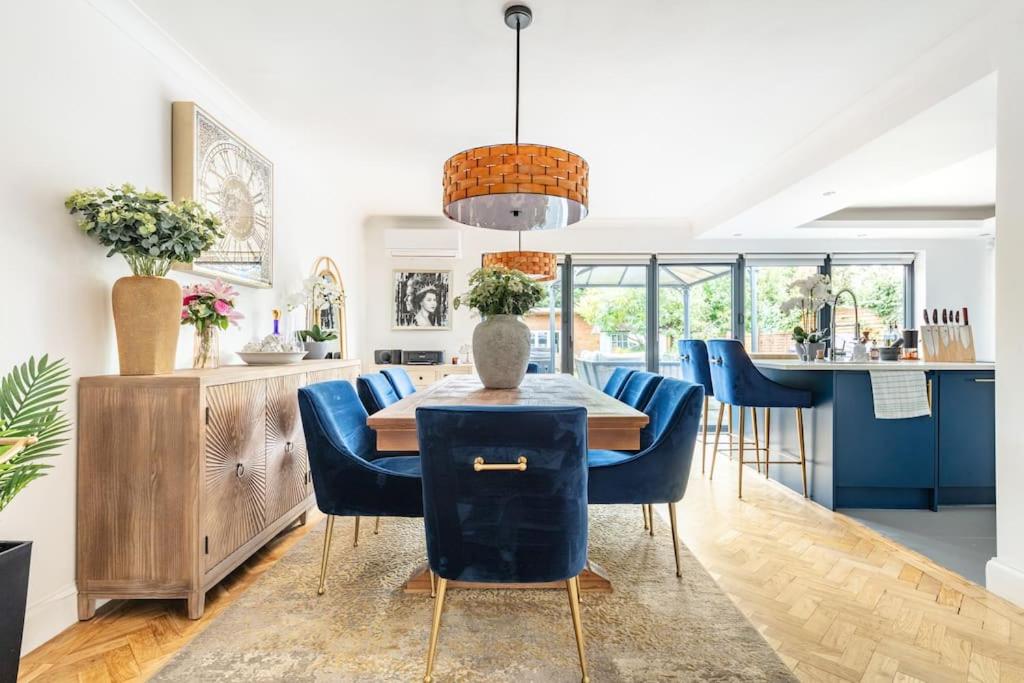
[{"x": 611, "y": 424}]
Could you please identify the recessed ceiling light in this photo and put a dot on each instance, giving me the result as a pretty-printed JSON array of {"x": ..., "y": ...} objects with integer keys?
[
  {"x": 737, "y": 234},
  {"x": 862, "y": 234},
  {"x": 829, "y": 193},
  {"x": 984, "y": 234}
]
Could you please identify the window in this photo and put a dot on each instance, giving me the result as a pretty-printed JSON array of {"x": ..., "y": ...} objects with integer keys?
[
  {"x": 541, "y": 340},
  {"x": 694, "y": 302},
  {"x": 544, "y": 321},
  {"x": 767, "y": 286},
  {"x": 881, "y": 284}
]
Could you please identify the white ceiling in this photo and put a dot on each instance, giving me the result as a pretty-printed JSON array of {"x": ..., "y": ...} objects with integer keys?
[
  {"x": 970, "y": 182},
  {"x": 672, "y": 103}
]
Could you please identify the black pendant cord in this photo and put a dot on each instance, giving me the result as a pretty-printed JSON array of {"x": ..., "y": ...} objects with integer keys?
[{"x": 517, "y": 81}]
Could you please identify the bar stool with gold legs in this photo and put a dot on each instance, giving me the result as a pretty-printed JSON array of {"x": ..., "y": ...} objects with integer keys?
[
  {"x": 695, "y": 368},
  {"x": 739, "y": 383}
]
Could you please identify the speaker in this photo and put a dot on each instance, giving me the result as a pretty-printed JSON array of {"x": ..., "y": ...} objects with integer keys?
[
  {"x": 387, "y": 356},
  {"x": 422, "y": 357}
]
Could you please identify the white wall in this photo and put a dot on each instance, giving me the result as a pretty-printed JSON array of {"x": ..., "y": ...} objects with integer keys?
[
  {"x": 1005, "y": 572},
  {"x": 949, "y": 273},
  {"x": 88, "y": 88}
]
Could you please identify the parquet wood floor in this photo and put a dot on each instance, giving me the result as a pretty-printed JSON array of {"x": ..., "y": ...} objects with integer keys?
[{"x": 837, "y": 601}]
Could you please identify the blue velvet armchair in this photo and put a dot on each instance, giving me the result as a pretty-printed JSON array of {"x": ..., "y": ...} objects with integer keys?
[
  {"x": 660, "y": 471},
  {"x": 532, "y": 368},
  {"x": 400, "y": 381},
  {"x": 695, "y": 368},
  {"x": 739, "y": 383},
  {"x": 375, "y": 392},
  {"x": 349, "y": 479},
  {"x": 639, "y": 388},
  {"x": 617, "y": 380},
  {"x": 505, "y": 499}
]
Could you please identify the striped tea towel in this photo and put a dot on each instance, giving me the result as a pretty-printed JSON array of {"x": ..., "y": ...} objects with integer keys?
[{"x": 899, "y": 394}]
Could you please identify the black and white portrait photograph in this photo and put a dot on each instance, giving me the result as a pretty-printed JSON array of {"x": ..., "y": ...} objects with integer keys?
[{"x": 421, "y": 300}]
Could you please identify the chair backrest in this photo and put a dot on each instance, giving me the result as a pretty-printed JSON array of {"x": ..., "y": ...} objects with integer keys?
[
  {"x": 733, "y": 373},
  {"x": 400, "y": 380},
  {"x": 693, "y": 364},
  {"x": 532, "y": 368},
  {"x": 376, "y": 392},
  {"x": 660, "y": 471},
  {"x": 613, "y": 387},
  {"x": 505, "y": 526},
  {"x": 639, "y": 388}
]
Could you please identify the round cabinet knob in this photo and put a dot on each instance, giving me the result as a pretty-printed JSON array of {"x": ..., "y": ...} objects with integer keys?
[{"x": 239, "y": 470}]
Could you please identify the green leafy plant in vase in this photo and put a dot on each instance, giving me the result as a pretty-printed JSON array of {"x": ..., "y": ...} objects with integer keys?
[
  {"x": 810, "y": 295},
  {"x": 151, "y": 233},
  {"x": 501, "y": 343},
  {"x": 317, "y": 342},
  {"x": 33, "y": 427}
]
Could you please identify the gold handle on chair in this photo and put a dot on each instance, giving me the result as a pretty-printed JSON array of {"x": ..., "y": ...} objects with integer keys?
[{"x": 480, "y": 466}]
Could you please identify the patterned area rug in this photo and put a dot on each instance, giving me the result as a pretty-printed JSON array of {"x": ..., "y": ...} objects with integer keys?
[{"x": 364, "y": 628}]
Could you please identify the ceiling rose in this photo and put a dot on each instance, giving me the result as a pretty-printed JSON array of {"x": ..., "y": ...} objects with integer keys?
[{"x": 516, "y": 186}]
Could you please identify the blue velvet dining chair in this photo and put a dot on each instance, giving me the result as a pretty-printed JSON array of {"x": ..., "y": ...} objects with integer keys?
[
  {"x": 639, "y": 388},
  {"x": 348, "y": 479},
  {"x": 400, "y": 380},
  {"x": 375, "y": 392},
  {"x": 504, "y": 500},
  {"x": 532, "y": 368},
  {"x": 660, "y": 471},
  {"x": 739, "y": 383},
  {"x": 617, "y": 380},
  {"x": 695, "y": 368}
]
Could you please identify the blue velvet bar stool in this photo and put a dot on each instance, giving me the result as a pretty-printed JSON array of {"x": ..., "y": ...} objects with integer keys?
[
  {"x": 660, "y": 471},
  {"x": 738, "y": 383},
  {"x": 400, "y": 380},
  {"x": 532, "y": 368},
  {"x": 375, "y": 392},
  {"x": 348, "y": 479},
  {"x": 639, "y": 388},
  {"x": 695, "y": 368},
  {"x": 504, "y": 500},
  {"x": 613, "y": 387}
]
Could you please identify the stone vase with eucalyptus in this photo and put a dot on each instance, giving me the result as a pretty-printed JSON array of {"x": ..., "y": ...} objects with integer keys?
[{"x": 501, "y": 342}]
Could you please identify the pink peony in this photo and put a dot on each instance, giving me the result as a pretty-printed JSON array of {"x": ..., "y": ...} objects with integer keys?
[
  {"x": 184, "y": 314},
  {"x": 222, "y": 307}
]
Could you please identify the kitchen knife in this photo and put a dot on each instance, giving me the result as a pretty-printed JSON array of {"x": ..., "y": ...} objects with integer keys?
[
  {"x": 966, "y": 321},
  {"x": 935, "y": 316},
  {"x": 958, "y": 317},
  {"x": 926, "y": 316},
  {"x": 945, "y": 321}
]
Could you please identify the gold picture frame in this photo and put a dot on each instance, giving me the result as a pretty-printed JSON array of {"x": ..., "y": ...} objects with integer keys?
[{"x": 213, "y": 166}]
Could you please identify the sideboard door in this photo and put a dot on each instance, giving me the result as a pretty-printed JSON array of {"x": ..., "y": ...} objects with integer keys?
[
  {"x": 287, "y": 469},
  {"x": 235, "y": 467}
]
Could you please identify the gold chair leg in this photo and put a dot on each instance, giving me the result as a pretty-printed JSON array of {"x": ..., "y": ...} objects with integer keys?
[
  {"x": 579, "y": 590},
  {"x": 803, "y": 452},
  {"x": 675, "y": 536},
  {"x": 327, "y": 551},
  {"x": 718, "y": 433},
  {"x": 433, "y": 587},
  {"x": 577, "y": 625},
  {"x": 647, "y": 520},
  {"x": 704, "y": 441},
  {"x": 757, "y": 442},
  {"x": 435, "y": 627},
  {"x": 650, "y": 516},
  {"x": 767, "y": 439},
  {"x": 743, "y": 413},
  {"x": 355, "y": 538},
  {"x": 376, "y": 526}
]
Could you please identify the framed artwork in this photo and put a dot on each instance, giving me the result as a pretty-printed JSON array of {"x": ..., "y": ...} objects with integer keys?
[
  {"x": 421, "y": 300},
  {"x": 213, "y": 166},
  {"x": 327, "y": 308}
]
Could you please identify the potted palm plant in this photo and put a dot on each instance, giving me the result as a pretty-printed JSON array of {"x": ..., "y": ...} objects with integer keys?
[
  {"x": 501, "y": 343},
  {"x": 32, "y": 428},
  {"x": 152, "y": 234}
]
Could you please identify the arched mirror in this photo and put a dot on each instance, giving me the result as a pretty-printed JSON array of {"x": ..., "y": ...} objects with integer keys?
[{"x": 327, "y": 309}]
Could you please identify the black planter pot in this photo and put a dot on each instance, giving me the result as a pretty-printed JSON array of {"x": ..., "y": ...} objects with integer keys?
[{"x": 14, "y": 561}]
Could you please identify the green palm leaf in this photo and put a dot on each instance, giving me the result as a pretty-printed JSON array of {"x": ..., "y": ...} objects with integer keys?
[{"x": 31, "y": 396}]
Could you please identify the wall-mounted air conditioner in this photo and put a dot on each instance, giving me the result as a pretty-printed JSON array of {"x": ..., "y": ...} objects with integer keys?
[{"x": 426, "y": 243}]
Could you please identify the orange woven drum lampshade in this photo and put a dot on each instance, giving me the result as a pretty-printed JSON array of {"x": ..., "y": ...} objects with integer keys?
[
  {"x": 516, "y": 187},
  {"x": 539, "y": 265}
]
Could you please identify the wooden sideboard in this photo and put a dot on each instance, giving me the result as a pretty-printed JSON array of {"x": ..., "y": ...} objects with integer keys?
[
  {"x": 425, "y": 375},
  {"x": 181, "y": 477}
]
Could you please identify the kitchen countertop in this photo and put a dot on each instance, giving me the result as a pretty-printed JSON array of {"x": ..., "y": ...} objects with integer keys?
[{"x": 920, "y": 365}]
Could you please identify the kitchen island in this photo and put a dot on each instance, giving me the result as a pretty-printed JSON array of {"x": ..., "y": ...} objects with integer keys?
[{"x": 856, "y": 460}]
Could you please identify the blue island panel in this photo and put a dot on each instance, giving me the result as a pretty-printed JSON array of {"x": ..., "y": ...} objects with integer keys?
[{"x": 967, "y": 438}]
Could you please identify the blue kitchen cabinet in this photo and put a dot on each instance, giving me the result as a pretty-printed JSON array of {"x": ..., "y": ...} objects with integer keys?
[
  {"x": 880, "y": 463},
  {"x": 967, "y": 438}
]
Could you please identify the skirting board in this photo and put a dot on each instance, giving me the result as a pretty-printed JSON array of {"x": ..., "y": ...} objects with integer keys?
[
  {"x": 45, "y": 618},
  {"x": 1005, "y": 581}
]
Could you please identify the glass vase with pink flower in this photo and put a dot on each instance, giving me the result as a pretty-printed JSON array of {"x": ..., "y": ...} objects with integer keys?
[{"x": 210, "y": 308}]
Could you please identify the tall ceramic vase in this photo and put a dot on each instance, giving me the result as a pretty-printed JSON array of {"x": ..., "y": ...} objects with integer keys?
[
  {"x": 147, "y": 317},
  {"x": 501, "y": 351}
]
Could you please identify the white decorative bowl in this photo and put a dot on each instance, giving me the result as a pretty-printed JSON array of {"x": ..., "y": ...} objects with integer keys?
[{"x": 271, "y": 357}]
